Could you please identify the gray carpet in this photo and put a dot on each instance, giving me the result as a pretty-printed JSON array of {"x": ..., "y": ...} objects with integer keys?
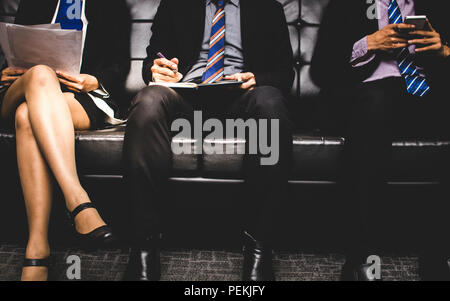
[{"x": 207, "y": 265}]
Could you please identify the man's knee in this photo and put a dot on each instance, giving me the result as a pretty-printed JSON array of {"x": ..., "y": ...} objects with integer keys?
[
  {"x": 372, "y": 114},
  {"x": 151, "y": 105},
  {"x": 154, "y": 94},
  {"x": 268, "y": 103}
]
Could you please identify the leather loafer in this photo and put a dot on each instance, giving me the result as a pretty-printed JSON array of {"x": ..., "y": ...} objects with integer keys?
[
  {"x": 144, "y": 263},
  {"x": 257, "y": 260}
]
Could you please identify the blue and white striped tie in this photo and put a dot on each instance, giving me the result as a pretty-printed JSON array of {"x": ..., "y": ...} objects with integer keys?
[
  {"x": 216, "y": 58},
  {"x": 416, "y": 84}
]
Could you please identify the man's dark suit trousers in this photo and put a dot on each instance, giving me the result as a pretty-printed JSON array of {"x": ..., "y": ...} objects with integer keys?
[{"x": 148, "y": 154}]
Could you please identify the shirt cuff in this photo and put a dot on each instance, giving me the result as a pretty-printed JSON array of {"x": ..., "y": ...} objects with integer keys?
[
  {"x": 101, "y": 92},
  {"x": 360, "y": 53}
]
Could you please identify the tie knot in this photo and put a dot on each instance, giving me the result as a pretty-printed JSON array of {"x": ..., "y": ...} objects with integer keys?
[{"x": 393, "y": 4}]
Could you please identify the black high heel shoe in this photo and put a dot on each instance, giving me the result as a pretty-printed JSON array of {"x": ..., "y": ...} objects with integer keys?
[
  {"x": 99, "y": 238},
  {"x": 46, "y": 263}
]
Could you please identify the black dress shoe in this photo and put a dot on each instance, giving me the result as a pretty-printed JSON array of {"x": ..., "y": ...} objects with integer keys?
[
  {"x": 145, "y": 262},
  {"x": 100, "y": 238},
  {"x": 257, "y": 260},
  {"x": 358, "y": 272}
]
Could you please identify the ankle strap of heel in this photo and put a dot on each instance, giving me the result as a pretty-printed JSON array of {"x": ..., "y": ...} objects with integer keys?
[
  {"x": 80, "y": 208},
  {"x": 36, "y": 262}
]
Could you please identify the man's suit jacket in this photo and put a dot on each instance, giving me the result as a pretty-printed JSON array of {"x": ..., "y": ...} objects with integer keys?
[
  {"x": 107, "y": 47},
  {"x": 178, "y": 31},
  {"x": 346, "y": 22}
]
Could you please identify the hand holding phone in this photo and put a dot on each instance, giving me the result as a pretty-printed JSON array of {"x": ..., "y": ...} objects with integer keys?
[
  {"x": 427, "y": 39},
  {"x": 388, "y": 38},
  {"x": 419, "y": 22}
]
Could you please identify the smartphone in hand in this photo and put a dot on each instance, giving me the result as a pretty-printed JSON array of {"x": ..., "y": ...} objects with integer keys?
[{"x": 420, "y": 22}]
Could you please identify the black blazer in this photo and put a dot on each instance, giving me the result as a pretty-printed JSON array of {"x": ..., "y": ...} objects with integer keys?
[
  {"x": 107, "y": 47},
  {"x": 346, "y": 22},
  {"x": 178, "y": 31}
]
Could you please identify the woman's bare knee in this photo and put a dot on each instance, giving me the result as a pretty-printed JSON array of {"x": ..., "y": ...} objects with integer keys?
[
  {"x": 40, "y": 75},
  {"x": 22, "y": 119}
]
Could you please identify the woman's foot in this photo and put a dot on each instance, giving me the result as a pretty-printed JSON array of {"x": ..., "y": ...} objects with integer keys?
[
  {"x": 87, "y": 220},
  {"x": 93, "y": 233},
  {"x": 36, "y": 273}
]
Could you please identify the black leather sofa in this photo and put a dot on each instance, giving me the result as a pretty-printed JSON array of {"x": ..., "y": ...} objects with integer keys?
[{"x": 207, "y": 187}]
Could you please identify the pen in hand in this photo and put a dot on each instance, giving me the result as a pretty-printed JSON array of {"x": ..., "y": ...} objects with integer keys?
[
  {"x": 166, "y": 70},
  {"x": 161, "y": 56}
]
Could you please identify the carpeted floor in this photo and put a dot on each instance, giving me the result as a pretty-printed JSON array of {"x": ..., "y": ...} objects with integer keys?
[{"x": 207, "y": 265}]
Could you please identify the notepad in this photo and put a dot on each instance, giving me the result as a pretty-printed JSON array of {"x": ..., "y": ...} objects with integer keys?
[{"x": 229, "y": 84}]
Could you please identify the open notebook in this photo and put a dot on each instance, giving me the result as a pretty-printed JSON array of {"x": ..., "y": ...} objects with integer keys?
[{"x": 223, "y": 84}]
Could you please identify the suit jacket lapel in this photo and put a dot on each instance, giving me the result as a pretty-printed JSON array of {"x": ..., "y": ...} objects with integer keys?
[
  {"x": 198, "y": 22},
  {"x": 248, "y": 24},
  {"x": 191, "y": 20}
]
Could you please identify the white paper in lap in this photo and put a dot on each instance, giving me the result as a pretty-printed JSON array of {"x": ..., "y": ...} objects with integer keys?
[
  {"x": 46, "y": 26},
  {"x": 4, "y": 41},
  {"x": 27, "y": 46}
]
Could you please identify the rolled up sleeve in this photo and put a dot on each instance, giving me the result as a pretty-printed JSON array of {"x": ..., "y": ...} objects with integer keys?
[{"x": 360, "y": 54}]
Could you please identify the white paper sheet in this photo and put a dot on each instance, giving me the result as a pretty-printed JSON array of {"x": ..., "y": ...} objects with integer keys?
[{"x": 27, "y": 46}]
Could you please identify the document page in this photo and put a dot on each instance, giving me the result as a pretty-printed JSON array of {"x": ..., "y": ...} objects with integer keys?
[{"x": 27, "y": 46}]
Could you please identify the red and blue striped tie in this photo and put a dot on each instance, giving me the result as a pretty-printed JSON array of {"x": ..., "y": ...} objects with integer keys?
[
  {"x": 415, "y": 83},
  {"x": 216, "y": 58}
]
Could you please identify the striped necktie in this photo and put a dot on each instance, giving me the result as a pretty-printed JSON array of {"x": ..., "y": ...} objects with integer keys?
[
  {"x": 69, "y": 14},
  {"x": 415, "y": 83},
  {"x": 216, "y": 58}
]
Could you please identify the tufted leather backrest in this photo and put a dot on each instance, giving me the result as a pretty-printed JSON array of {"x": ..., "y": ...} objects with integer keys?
[{"x": 303, "y": 17}]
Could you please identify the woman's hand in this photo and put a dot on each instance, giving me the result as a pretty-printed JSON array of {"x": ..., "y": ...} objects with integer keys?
[
  {"x": 79, "y": 83},
  {"x": 429, "y": 41},
  {"x": 10, "y": 75},
  {"x": 248, "y": 79}
]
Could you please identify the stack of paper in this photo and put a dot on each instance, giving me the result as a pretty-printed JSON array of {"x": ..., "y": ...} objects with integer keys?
[{"x": 47, "y": 44}]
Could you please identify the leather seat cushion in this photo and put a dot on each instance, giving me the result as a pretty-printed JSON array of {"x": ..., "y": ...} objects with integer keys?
[{"x": 316, "y": 158}]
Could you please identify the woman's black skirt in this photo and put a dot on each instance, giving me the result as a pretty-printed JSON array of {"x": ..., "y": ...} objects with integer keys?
[{"x": 96, "y": 116}]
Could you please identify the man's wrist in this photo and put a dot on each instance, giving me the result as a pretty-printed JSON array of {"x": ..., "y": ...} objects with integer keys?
[
  {"x": 370, "y": 43},
  {"x": 446, "y": 51}
]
